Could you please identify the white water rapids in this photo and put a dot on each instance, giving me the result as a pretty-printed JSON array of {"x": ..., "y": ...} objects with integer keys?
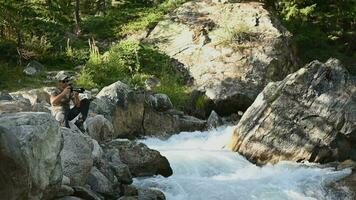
[{"x": 204, "y": 170}]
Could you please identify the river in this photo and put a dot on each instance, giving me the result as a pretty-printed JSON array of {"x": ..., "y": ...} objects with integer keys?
[{"x": 203, "y": 169}]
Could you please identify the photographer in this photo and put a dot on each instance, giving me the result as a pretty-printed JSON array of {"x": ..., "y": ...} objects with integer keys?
[{"x": 60, "y": 100}]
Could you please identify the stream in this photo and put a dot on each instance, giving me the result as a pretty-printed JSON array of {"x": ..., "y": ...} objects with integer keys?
[{"x": 203, "y": 169}]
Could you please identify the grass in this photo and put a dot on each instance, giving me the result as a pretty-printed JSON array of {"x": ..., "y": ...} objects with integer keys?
[
  {"x": 13, "y": 79},
  {"x": 234, "y": 36},
  {"x": 133, "y": 62}
]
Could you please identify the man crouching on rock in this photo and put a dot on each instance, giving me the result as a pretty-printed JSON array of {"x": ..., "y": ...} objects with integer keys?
[{"x": 60, "y": 100}]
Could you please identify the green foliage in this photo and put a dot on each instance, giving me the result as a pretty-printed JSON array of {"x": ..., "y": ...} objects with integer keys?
[
  {"x": 199, "y": 104},
  {"x": 38, "y": 47},
  {"x": 177, "y": 92},
  {"x": 132, "y": 62},
  {"x": 12, "y": 78},
  {"x": 321, "y": 29}
]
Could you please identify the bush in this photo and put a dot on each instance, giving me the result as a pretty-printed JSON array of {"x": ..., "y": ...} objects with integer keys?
[{"x": 133, "y": 63}]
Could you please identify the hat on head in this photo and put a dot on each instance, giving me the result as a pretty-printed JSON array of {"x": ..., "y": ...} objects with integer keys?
[{"x": 62, "y": 77}]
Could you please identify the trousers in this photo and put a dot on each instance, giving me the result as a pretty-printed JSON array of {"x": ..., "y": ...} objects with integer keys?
[{"x": 73, "y": 112}]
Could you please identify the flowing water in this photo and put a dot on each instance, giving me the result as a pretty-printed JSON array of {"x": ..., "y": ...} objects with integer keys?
[{"x": 204, "y": 169}]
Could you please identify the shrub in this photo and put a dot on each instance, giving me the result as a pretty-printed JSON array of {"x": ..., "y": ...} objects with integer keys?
[{"x": 132, "y": 62}]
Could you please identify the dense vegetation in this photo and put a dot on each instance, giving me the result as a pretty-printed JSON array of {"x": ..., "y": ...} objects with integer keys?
[
  {"x": 62, "y": 34},
  {"x": 321, "y": 28}
]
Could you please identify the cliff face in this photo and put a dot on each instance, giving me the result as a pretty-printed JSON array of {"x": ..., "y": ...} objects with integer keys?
[
  {"x": 231, "y": 50},
  {"x": 310, "y": 115}
]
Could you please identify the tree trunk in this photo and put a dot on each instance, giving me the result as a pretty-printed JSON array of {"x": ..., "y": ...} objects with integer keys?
[
  {"x": 19, "y": 45},
  {"x": 77, "y": 17}
]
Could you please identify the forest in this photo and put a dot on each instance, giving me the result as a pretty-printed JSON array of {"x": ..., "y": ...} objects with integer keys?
[{"x": 62, "y": 34}]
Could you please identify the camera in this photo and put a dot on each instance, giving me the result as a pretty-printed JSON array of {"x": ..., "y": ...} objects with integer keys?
[{"x": 73, "y": 89}]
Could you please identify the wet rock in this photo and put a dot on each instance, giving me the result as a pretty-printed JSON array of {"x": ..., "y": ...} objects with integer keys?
[
  {"x": 130, "y": 190},
  {"x": 141, "y": 160},
  {"x": 150, "y": 194},
  {"x": 214, "y": 120},
  {"x": 310, "y": 115}
]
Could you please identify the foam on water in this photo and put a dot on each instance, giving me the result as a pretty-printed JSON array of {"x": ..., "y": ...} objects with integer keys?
[{"x": 204, "y": 170}]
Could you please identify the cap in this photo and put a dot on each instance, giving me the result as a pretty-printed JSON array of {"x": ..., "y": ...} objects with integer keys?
[{"x": 62, "y": 77}]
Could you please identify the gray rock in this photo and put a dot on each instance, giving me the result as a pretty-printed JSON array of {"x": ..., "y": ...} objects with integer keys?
[
  {"x": 310, "y": 115},
  {"x": 15, "y": 106},
  {"x": 165, "y": 123},
  {"x": 150, "y": 194},
  {"x": 163, "y": 103},
  {"x": 229, "y": 55},
  {"x": 99, "y": 128},
  {"x": 30, "y": 146},
  {"x": 85, "y": 193},
  {"x": 64, "y": 190},
  {"x": 135, "y": 113},
  {"x": 346, "y": 164},
  {"x": 128, "y": 198},
  {"x": 99, "y": 183},
  {"x": 5, "y": 96},
  {"x": 34, "y": 95},
  {"x": 76, "y": 156},
  {"x": 130, "y": 190},
  {"x": 33, "y": 68},
  {"x": 152, "y": 83},
  {"x": 97, "y": 153},
  {"x": 65, "y": 180},
  {"x": 114, "y": 167},
  {"x": 214, "y": 120},
  {"x": 141, "y": 160},
  {"x": 69, "y": 198}
]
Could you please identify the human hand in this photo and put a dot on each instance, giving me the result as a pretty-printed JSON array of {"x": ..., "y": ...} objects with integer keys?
[
  {"x": 76, "y": 94},
  {"x": 67, "y": 90}
]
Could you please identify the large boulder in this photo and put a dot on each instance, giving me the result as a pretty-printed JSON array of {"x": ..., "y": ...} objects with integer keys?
[
  {"x": 113, "y": 168},
  {"x": 100, "y": 183},
  {"x": 34, "y": 95},
  {"x": 99, "y": 128},
  {"x": 30, "y": 145},
  {"x": 163, "y": 124},
  {"x": 310, "y": 115},
  {"x": 231, "y": 50},
  {"x": 77, "y": 159},
  {"x": 14, "y": 106},
  {"x": 141, "y": 160},
  {"x": 137, "y": 113}
]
